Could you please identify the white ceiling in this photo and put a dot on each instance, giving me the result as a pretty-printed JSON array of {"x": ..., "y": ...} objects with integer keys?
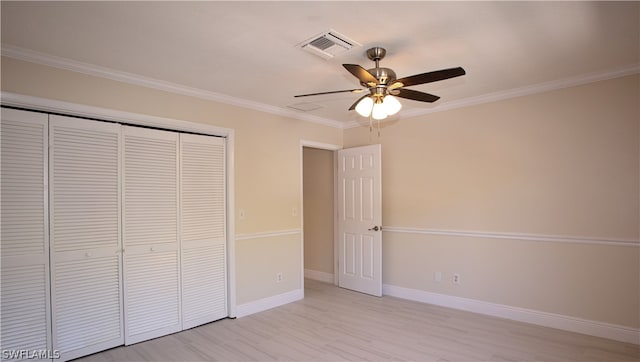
[{"x": 245, "y": 52}]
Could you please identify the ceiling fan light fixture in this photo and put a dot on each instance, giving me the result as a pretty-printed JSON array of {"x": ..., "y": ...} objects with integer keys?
[
  {"x": 365, "y": 106},
  {"x": 380, "y": 108},
  {"x": 391, "y": 105},
  {"x": 379, "y": 112}
]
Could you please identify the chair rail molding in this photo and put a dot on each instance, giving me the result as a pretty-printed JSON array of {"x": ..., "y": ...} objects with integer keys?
[{"x": 515, "y": 236}]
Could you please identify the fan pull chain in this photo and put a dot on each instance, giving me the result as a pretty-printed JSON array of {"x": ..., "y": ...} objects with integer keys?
[{"x": 370, "y": 128}]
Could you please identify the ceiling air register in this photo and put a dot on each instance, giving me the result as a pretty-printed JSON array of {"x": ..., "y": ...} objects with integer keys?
[{"x": 328, "y": 44}]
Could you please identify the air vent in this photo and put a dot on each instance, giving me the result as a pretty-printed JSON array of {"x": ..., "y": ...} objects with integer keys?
[{"x": 328, "y": 44}]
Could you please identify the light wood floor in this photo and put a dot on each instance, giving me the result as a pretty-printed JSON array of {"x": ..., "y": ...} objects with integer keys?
[{"x": 333, "y": 324}]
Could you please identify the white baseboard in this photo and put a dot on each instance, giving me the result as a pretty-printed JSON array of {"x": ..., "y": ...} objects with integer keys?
[
  {"x": 263, "y": 304},
  {"x": 318, "y": 275},
  {"x": 567, "y": 323}
]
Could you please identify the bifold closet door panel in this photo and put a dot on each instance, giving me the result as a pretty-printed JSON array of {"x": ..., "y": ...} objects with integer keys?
[
  {"x": 85, "y": 236},
  {"x": 24, "y": 279},
  {"x": 150, "y": 234},
  {"x": 204, "y": 280}
]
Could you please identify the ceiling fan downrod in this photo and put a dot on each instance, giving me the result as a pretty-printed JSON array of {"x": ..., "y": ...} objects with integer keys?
[
  {"x": 376, "y": 54},
  {"x": 385, "y": 76}
]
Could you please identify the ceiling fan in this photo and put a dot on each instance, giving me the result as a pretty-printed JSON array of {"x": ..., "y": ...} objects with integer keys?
[{"x": 383, "y": 86}]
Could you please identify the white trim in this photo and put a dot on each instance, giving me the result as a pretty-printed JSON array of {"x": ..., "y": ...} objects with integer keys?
[
  {"x": 516, "y": 236},
  {"x": 516, "y": 92},
  {"x": 318, "y": 275},
  {"x": 135, "y": 79},
  {"x": 559, "y": 321},
  {"x": 79, "y": 110},
  {"x": 336, "y": 234},
  {"x": 320, "y": 145},
  {"x": 231, "y": 225},
  {"x": 301, "y": 213},
  {"x": 268, "y": 234},
  {"x": 263, "y": 304}
]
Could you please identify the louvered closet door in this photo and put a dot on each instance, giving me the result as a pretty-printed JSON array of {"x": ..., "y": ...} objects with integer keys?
[
  {"x": 25, "y": 321},
  {"x": 151, "y": 257},
  {"x": 203, "y": 240},
  {"x": 85, "y": 236}
]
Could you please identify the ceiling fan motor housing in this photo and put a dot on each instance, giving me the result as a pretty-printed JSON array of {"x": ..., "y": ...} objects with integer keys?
[{"x": 384, "y": 76}]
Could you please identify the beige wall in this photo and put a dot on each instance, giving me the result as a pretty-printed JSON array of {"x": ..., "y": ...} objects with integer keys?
[
  {"x": 561, "y": 163},
  {"x": 267, "y": 162},
  {"x": 318, "y": 209},
  {"x": 261, "y": 259}
]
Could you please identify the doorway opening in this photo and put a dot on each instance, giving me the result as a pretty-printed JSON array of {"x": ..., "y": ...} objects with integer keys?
[{"x": 319, "y": 212}]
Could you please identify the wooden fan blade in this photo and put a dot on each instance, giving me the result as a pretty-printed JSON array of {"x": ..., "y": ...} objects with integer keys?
[
  {"x": 358, "y": 90},
  {"x": 362, "y": 74},
  {"x": 353, "y": 106},
  {"x": 416, "y": 95},
  {"x": 431, "y": 76}
]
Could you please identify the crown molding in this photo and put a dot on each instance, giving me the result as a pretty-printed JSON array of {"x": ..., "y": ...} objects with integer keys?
[
  {"x": 135, "y": 79},
  {"x": 518, "y": 92},
  {"x": 108, "y": 73}
]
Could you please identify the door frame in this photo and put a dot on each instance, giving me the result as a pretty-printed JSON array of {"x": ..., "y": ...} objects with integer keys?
[
  {"x": 84, "y": 111},
  {"x": 327, "y": 147}
]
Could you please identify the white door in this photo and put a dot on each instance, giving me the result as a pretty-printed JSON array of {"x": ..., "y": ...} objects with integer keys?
[
  {"x": 85, "y": 236},
  {"x": 25, "y": 323},
  {"x": 360, "y": 219},
  {"x": 150, "y": 234},
  {"x": 203, "y": 242}
]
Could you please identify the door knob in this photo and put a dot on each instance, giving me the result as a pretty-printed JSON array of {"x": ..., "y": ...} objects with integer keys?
[{"x": 375, "y": 228}]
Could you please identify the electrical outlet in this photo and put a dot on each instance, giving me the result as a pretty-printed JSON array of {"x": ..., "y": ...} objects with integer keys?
[
  {"x": 437, "y": 276},
  {"x": 456, "y": 278},
  {"x": 278, "y": 277}
]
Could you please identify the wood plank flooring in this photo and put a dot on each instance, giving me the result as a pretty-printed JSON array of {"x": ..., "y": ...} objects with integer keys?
[{"x": 333, "y": 324}]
